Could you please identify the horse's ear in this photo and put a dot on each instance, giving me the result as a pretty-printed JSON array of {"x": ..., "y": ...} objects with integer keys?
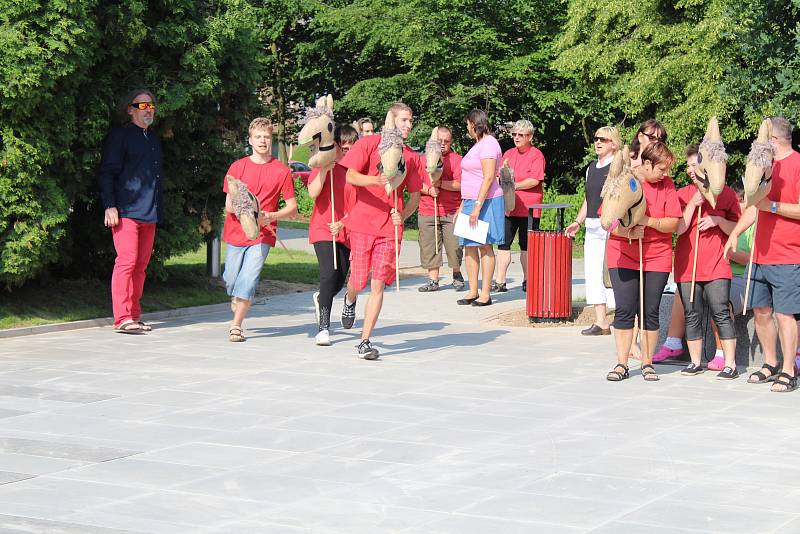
[
  {"x": 320, "y": 102},
  {"x": 764, "y": 131},
  {"x": 712, "y": 130},
  {"x": 389, "y": 123},
  {"x": 616, "y": 164},
  {"x": 626, "y": 156},
  {"x": 329, "y": 102},
  {"x": 435, "y": 133}
]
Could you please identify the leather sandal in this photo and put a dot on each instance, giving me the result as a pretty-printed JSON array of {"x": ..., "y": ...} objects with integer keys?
[
  {"x": 761, "y": 378},
  {"x": 649, "y": 373},
  {"x": 618, "y": 373},
  {"x": 235, "y": 335},
  {"x": 786, "y": 381}
]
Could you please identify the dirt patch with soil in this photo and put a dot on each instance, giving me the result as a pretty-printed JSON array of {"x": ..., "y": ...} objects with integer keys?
[{"x": 581, "y": 316}]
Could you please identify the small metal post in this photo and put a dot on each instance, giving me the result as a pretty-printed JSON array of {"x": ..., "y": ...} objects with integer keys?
[{"x": 213, "y": 257}]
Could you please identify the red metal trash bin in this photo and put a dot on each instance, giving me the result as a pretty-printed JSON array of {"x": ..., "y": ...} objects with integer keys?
[{"x": 549, "y": 294}]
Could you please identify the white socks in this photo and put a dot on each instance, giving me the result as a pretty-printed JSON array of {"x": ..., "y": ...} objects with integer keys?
[{"x": 673, "y": 343}]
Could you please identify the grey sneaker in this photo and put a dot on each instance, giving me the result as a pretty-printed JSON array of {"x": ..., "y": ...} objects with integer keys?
[
  {"x": 458, "y": 282},
  {"x": 729, "y": 373},
  {"x": 366, "y": 351},
  {"x": 348, "y": 314},
  {"x": 693, "y": 370},
  {"x": 432, "y": 285}
]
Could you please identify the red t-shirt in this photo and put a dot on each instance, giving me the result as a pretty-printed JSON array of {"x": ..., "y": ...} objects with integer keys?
[
  {"x": 370, "y": 211},
  {"x": 527, "y": 165},
  {"x": 777, "y": 240},
  {"x": 661, "y": 200},
  {"x": 268, "y": 182},
  {"x": 448, "y": 201},
  {"x": 318, "y": 229},
  {"x": 711, "y": 264}
]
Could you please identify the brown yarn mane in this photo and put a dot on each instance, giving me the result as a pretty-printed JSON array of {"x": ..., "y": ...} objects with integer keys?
[
  {"x": 433, "y": 145},
  {"x": 716, "y": 150},
  {"x": 761, "y": 154},
  {"x": 390, "y": 138},
  {"x": 318, "y": 111}
]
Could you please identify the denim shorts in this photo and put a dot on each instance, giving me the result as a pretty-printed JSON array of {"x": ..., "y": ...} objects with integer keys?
[
  {"x": 242, "y": 268},
  {"x": 776, "y": 287},
  {"x": 491, "y": 212}
]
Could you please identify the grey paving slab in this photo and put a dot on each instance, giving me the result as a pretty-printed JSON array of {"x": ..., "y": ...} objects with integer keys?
[
  {"x": 462, "y": 426},
  {"x": 20, "y": 525}
]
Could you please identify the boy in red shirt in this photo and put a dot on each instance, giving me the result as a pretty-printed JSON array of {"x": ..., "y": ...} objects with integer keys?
[
  {"x": 447, "y": 192},
  {"x": 268, "y": 179},
  {"x": 371, "y": 224},
  {"x": 321, "y": 231},
  {"x": 527, "y": 161},
  {"x": 776, "y": 261}
]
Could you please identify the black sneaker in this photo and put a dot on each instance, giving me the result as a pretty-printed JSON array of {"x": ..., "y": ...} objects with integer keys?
[
  {"x": 693, "y": 369},
  {"x": 432, "y": 285},
  {"x": 499, "y": 288},
  {"x": 348, "y": 314},
  {"x": 366, "y": 351},
  {"x": 729, "y": 373},
  {"x": 458, "y": 282}
]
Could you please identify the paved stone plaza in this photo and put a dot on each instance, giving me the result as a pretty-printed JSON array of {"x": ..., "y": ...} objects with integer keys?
[{"x": 462, "y": 426}]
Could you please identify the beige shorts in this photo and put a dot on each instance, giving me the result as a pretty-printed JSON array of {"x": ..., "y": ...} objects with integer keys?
[{"x": 429, "y": 257}]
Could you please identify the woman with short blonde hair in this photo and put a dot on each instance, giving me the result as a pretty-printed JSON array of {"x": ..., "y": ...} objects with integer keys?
[{"x": 607, "y": 142}]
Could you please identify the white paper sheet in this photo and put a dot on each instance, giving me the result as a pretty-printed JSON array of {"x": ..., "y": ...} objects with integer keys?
[{"x": 477, "y": 233}]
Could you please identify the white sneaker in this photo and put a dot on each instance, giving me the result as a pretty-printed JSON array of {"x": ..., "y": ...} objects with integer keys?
[{"x": 323, "y": 338}]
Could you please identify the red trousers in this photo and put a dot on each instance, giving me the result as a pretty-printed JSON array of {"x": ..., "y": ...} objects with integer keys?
[{"x": 133, "y": 241}]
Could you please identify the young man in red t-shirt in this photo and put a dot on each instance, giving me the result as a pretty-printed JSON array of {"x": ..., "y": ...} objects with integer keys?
[
  {"x": 776, "y": 261},
  {"x": 527, "y": 161},
  {"x": 322, "y": 231},
  {"x": 371, "y": 223},
  {"x": 447, "y": 191},
  {"x": 268, "y": 179}
]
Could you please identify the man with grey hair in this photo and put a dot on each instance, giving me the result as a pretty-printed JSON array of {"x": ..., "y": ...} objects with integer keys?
[
  {"x": 527, "y": 163},
  {"x": 776, "y": 261}
]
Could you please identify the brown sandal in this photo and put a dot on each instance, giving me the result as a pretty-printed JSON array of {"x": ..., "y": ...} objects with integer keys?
[
  {"x": 650, "y": 375},
  {"x": 145, "y": 327},
  {"x": 235, "y": 335}
]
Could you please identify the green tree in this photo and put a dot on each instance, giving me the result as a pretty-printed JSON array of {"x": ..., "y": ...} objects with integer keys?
[
  {"x": 63, "y": 67},
  {"x": 628, "y": 61}
]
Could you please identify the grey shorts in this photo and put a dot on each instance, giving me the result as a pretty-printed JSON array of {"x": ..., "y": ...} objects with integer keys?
[
  {"x": 737, "y": 293},
  {"x": 776, "y": 287},
  {"x": 429, "y": 256}
]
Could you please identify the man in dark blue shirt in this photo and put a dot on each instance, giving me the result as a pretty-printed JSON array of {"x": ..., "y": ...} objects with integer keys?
[{"x": 131, "y": 183}]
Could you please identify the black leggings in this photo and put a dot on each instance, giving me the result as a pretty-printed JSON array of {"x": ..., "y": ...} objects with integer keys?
[
  {"x": 331, "y": 281},
  {"x": 716, "y": 294},
  {"x": 626, "y": 292}
]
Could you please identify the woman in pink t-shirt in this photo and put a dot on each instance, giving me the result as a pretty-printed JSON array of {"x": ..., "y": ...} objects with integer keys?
[{"x": 479, "y": 189}]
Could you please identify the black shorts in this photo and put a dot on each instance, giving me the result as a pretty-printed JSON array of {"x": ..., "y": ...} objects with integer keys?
[{"x": 517, "y": 226}]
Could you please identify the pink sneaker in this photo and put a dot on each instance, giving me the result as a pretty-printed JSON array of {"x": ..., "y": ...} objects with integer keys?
[
  {"x": 665, "y": 353},
  {"x": 717, "y": 364}
]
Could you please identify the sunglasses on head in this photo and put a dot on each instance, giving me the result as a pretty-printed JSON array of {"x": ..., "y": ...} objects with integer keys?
[
  {"x": 143, "y": 105},
  {"x": 601, "y": 139}
]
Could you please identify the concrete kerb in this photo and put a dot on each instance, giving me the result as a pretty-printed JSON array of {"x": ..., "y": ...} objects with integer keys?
[{"x": 294, "y": 239}]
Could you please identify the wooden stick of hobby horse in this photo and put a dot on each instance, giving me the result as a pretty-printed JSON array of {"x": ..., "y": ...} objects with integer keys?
[
  {"x": 696, "y": 246},
  {"x": 396, "y": 249},
  {"x": 436, "y": 224},
  {"x": 333, "y": 218},
  {"x": 270, "y": 230},
  {"x": 642, "y": 330},
  {"x": 750, "y": 268}
]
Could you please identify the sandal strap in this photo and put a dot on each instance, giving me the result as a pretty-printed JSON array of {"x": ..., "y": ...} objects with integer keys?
[
  {"x": 235, "y": 329},
  {"x": 648, "y": 366},
  {"x": 785, "y": 379}
]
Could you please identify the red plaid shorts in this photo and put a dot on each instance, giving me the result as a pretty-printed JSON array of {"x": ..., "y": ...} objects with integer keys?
[{"x": 371, "y": 253}]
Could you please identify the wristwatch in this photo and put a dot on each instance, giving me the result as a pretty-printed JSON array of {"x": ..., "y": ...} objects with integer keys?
[{"x": 774, "y": 207}]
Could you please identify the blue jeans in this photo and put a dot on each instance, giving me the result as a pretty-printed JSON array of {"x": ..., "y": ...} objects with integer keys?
[{"x": 242, "y": 268}]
